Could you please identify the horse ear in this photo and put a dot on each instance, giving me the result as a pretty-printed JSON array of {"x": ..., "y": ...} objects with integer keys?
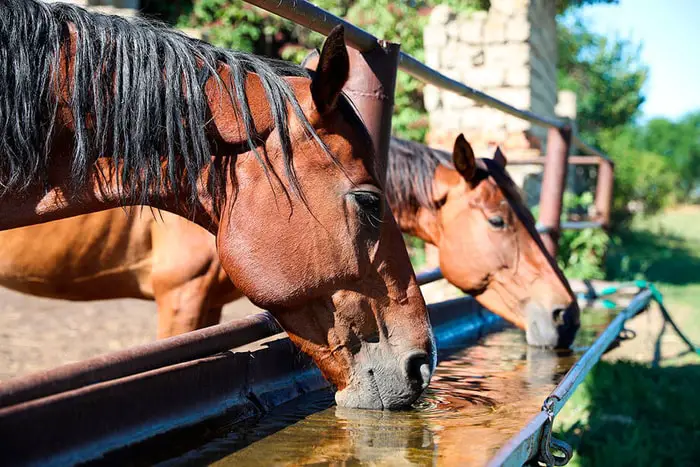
[
  {"x": 332, "y": 71},
  {"x": 311, "y": 60},
  {"x": 463, "y": 158},
  {"x": 499, "y": 158}
]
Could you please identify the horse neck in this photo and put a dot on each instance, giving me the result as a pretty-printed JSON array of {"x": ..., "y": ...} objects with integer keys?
[{"x": 58, "y": 200}]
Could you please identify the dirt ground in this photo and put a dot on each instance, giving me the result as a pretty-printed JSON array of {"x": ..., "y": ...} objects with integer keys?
[{"x": 39, "y": 333}]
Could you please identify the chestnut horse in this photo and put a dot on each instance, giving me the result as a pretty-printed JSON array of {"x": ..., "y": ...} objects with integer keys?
[
  {"x": 98, "y": 112},
  {"x": 494, "y": 257},
  {"x": 488, "y": 244}
]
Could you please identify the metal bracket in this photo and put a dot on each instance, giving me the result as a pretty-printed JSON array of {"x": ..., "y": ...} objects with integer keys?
[
  {"x": 545, "y": 454},
  {"x": 626, "y": 334}
]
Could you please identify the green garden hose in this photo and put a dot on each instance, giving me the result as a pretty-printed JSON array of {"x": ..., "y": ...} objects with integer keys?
[{"x": 658, "y": 298}]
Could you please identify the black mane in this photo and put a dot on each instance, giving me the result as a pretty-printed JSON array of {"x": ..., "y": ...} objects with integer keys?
[
  {"x": 410, "y": 172},
  {"x": 137, "y": 97}
]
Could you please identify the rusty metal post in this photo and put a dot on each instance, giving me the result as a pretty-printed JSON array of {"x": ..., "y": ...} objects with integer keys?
[
  {"x": 604, "y": 191},
  {"x": 370, "y": 87},
  {"x": 553, "y": 183}
]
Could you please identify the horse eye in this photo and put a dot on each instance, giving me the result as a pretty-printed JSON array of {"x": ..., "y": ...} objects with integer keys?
[
  {"x": 497, "y": 222},
  {"x": 370, "y": 204},
  {"x": 441, "y": 202}
]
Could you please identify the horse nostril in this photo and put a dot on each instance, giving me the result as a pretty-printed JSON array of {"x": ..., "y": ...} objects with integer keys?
[
  {"x": 417, "y": 369},
  {"x": 558, "y": 316}
]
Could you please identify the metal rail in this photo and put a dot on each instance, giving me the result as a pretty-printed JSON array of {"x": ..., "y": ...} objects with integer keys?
[
  {"x": 587, "y": 148},
  {"x": 525, "y": 446},
  {"x": 572, "y": 160},
  {"x": 58, "y": 424},
  {"x": 426, "y": 74},
  {"x": 559, "y": 140},
  {"x": 309, "y": 15}
]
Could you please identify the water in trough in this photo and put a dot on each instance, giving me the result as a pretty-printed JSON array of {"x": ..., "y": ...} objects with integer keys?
[{"x": 480, "y": 397}]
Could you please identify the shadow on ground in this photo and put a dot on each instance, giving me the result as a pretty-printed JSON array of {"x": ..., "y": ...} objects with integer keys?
[
  {"x": 656, "y": 256},
  {"x": 637, "y": 415}
]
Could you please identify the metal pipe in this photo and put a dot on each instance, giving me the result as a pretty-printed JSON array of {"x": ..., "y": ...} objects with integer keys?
[
  {"x": 577, "y": 225},
  {"x": 587, "y": 148},
  {"x": 553, "y": 183},
  {"x": 309, "y": 15},
  {"x": 319, "y": 20},
  {"x": 524, "y": 446},
  {"x": 604, "y": 192},
  {"x": 573, "y": 160},
  {"x": 427, "y": 277},
  {"x": 370, "y": 86},
  {"x": 158, "y": 354},
  {"x": 426, "y": 74}
]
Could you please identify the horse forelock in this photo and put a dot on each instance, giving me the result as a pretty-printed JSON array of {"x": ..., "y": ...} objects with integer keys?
[{"x": 137, "y": 96}]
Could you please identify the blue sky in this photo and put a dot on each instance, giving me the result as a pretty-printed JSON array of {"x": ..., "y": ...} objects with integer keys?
[{"x": 669, "y": 31}]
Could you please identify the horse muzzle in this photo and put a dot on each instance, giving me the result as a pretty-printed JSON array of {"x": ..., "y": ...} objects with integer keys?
[
  {"x": 554, "y": 327},
  {"x": 385, "y": 382}
]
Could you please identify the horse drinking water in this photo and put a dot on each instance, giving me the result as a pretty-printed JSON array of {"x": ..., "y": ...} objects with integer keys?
[
  {"x": 486, "y": 238},
  {"x": 472, "y": 211},
  {"x": 98, "y": 112}
]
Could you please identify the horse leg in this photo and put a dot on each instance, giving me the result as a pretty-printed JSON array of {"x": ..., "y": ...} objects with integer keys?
[{"x": 184, "y": 309}]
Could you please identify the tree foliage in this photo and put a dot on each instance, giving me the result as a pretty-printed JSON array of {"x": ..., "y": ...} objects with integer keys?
[
  {"x": 641, "y": 176},
  {"x": 606, "y": 74},
  {"x": 678, "y": 142}
]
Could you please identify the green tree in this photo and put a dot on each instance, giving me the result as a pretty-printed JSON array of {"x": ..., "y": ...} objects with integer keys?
[
  {"x": 641, "y": 175},
  {"x": 679, "y": 142},
  {"x": 607, "y": 76}
]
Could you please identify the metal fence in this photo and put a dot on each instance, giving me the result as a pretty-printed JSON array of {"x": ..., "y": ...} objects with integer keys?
[{"x": 560, "y": 136}]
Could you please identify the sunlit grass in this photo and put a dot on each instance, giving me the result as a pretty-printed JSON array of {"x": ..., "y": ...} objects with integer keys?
[{"x": 628, "y": 413}]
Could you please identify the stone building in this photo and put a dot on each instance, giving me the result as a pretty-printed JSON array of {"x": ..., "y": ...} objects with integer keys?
[{"x": 510, "y": 53}]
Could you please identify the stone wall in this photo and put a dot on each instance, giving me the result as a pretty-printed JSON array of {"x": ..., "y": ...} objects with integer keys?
[{"x": 510, "y": 53}]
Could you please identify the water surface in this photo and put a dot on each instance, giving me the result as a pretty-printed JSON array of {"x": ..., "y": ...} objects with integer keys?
[{"x": 480, "y": 396}]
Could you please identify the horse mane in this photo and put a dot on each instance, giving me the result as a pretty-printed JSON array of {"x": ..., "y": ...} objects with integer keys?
[
  {"x": 511, "y": 191},
  {"x": 138, "y": 97},
  {"x": 410, "y": 171}
]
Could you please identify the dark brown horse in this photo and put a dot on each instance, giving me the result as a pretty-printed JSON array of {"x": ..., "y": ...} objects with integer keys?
[
  {"x": 98, "y": 112},
  {"x": 164, "y": 257}
]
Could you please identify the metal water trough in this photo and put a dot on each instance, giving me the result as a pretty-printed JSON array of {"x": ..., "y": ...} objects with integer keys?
[{"x": 242, "y": 369}]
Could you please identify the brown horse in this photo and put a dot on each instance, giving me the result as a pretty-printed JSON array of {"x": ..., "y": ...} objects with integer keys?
[
  {"x": 472, "y": 211},
  {"x": 98, "y": 112},
  {"x": 111, "y": 255}
]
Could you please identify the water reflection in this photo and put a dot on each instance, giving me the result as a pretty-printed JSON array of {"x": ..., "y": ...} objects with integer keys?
[{"x": 479, "y": 398}]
